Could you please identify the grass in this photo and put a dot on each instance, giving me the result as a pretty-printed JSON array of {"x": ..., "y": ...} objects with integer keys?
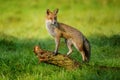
[{"x": 22, "y": 26}]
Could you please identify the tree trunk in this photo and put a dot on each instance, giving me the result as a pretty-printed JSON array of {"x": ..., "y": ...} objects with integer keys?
[{"x": 58, "y": 60}]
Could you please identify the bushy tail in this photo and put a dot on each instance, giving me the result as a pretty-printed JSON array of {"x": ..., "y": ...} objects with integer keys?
[{"x": 87, "y": 49}]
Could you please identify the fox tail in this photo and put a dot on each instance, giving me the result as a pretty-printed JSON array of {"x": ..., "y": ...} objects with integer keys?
[{"x": 87, "y": 49}]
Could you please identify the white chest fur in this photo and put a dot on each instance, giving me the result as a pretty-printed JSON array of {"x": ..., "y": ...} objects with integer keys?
[{"x": 50, "y": 29}]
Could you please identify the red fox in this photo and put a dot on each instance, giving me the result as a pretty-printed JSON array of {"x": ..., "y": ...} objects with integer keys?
[{"x": 71, "y": 35}]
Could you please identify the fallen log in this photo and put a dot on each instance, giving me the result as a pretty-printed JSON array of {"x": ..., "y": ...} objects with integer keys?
[{"x": 58, "y": 60}]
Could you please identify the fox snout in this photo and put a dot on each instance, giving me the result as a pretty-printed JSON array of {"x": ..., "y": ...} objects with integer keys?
[{"x": 53, "y": 22}]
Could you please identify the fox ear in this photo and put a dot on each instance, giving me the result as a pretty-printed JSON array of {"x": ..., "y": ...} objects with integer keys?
[
  {"x": 48, "y": 11},
  {"x": 56, "y": 11}
]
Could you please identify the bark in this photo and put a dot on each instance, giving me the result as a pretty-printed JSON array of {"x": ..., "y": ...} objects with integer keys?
[{"x": 58, "y": 60}]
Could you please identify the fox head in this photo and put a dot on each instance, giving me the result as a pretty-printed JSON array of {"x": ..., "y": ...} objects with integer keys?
[{"x": 51, "y": 17}]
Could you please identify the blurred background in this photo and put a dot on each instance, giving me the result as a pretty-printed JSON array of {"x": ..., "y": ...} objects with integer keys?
[{"x": 28, "y": 16}]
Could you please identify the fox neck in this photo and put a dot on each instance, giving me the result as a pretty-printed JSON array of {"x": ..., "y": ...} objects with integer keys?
[{"x": 51, "y": 27}]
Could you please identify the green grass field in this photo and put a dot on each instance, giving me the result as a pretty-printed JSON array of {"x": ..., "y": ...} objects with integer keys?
[{"x": 22, "y": 26}]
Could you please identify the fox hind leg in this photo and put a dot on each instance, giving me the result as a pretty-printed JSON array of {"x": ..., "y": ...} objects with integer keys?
[
  {"x": 84, "y": 58},
  {"x": 80, "y": 48},
  {"x": 69, "y": 45}
]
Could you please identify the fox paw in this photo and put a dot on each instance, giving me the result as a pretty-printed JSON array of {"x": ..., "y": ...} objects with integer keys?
[{"x": 55, "y": 53}]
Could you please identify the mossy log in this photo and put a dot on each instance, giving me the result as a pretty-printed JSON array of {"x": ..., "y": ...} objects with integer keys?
[{"x": 58, "y": 60}]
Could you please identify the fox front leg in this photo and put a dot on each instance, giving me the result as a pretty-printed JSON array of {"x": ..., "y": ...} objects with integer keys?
[{"x": 57, "y": 42}]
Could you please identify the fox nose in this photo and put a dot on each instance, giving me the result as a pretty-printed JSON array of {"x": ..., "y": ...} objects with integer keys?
[{"x": 55, "y": 22}]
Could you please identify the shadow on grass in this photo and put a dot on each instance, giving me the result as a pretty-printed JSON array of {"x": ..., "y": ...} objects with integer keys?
[
  {"x": 11, "y": 44},
  {"x": 106, "y": 50},
  {"x": 102, "y": 40}
]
